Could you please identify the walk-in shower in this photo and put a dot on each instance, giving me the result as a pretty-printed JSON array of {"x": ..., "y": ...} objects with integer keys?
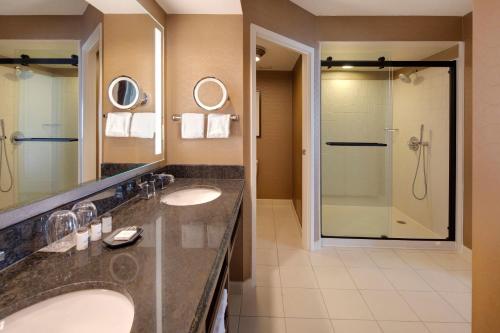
[{"x": 388, "y": 149}]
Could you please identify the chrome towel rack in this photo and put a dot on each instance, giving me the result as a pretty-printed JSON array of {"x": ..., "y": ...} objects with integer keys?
[{"x": 178, "y": 117}]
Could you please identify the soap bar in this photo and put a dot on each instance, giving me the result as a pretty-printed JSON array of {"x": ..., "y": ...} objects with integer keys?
[{"x": 125, "y": 235}]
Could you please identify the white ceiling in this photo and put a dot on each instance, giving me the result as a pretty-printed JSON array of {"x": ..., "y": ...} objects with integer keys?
[
  {"x": 277, "y": 58},
  {"x": 386, "y": 7},
  {"x": 117, "y": 6},
  {"x": 42, "y": 7},
  {"x": 403, "y": 51},
  {"x": 201, "y": 6}
]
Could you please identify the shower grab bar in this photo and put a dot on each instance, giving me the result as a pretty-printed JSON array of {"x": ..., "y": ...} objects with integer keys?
[
  {"x": 47, "y": 139},
  {"x": 357, "y": 144},
  {"x": 18, "y": 137}
]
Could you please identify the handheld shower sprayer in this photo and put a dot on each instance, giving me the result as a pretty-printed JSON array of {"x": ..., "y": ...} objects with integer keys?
[
  {"x": 3, "y": 150},
  {"x": 418, "y": 144}
]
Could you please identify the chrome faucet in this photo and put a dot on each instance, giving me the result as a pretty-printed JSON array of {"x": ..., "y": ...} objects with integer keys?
[{"x": 165, "y": 179}]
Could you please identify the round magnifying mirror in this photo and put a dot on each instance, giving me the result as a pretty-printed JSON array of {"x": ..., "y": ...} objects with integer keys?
[
  {"x": 124, "y": 93},
  {"x": 210, "y": 94}
]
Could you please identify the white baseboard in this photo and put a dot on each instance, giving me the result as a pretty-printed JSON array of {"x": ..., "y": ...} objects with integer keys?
[{"x": 466, "y": 254}]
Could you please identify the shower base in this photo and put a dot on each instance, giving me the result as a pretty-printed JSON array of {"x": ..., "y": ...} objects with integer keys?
[{"x": 372, "y": 221}]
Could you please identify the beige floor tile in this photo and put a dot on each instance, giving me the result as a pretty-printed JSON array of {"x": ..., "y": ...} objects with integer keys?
[
  {"x": 267, "y": 276},
  {"x": 355, "y": 326},
  {"x": 462, "y": 302},
  {"x": 298, "y": 277},
  {"x": 441, "y": 280},
  {"x": 463, "y": 276},
  {"x": 386, "y": 258},
  {"x": 289, "y": 257},
  {"x": 325, "y": 257},
  {"x": 430, "y": 307},
  {"x": 388, "y": 305},
  {"x": 300, "y": 325},
  {"x": 267, "y": 257},
  {"x": 262, "y": 301},
  {"x": 262, "y": 325},
  {"x": 234, "y": 305},
  {"x": 345, "y": 304},
  {"x": 233, "y": 324},
  {"x": 406, "y": 279},
  {"x": 304, "y": 303},
  {"x": 266, "y": 243},
  {"x": 402, "y": 327},
  {"x": 332, "y": 277},
  {"x": 355, "y": 258},
  {"x": 448, "y": 328},
  {"x": 370, "y": 278},
  {"x": 417, "y": 259},
  {"x": 451, "y": 261}
]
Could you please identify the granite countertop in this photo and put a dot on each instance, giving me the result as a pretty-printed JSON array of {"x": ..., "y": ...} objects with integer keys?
[{"x": 169, "y": 274}]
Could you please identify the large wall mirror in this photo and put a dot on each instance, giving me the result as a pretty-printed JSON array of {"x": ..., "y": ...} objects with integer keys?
[{"x": 58, "y": 126}]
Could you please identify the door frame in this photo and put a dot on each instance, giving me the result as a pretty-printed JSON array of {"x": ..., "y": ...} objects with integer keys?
[
  {"x": 87, "y": 52},
  {"x": 308, "y": 134}
]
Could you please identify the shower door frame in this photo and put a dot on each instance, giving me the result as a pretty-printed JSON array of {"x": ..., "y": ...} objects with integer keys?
[{"x": 453, "y": 124}]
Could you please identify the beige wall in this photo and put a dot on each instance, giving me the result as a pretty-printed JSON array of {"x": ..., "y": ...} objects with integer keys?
[
  {"x": 274, "y": 147},
  {"x": 128, "y": 43},
  {"x": 468, "y": 121},
  {"x": 297, "y": 139},
  {"x": 199, "y": 46},
  {"x": 485, "y": 168}
]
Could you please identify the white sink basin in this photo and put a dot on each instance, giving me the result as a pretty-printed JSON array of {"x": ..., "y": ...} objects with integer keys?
[
  {"x": 191, "y": 196},
  {"x": 93, "y": 310}
]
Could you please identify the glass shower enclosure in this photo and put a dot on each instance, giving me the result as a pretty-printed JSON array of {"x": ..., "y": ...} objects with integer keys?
[{"x": 388, "y": 149}]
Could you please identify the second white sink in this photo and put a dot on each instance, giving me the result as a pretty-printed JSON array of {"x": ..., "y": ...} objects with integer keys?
[{"x": 196, "y": 195}]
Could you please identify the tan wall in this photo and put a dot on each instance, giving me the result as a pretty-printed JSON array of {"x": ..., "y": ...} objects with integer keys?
[
  {"x": 128, "y": 43},
  {"x": 50, "y": 26},
  {"x": 274, "y": 147},
  {"x": 485, "y": 169},
  {"x": 199, "y": 46},
  {"x": 389, "y": 28},
  {"x": 468, "y": 121},
  {"x": 297, "y": 139}
]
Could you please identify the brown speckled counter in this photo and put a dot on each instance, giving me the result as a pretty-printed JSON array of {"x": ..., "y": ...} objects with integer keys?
[{"x": 169, "y": 274}]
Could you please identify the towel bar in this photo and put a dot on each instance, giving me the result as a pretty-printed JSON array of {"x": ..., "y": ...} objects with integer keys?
[{"x": 178, "y": 117}]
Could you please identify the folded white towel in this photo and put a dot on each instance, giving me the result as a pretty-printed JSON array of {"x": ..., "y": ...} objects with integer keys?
[
  {"x": 219, "y": 326},
  {"x": 192, "y": 125},
  {"x": 218, "y": 126},
  {"x": 118, "y": 124},
  {"x": 143, "y": 125}
]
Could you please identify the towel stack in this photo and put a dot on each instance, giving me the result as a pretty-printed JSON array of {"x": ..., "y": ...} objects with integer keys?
[
  {"x": 193, "y": 126},
  {"x": 124, "y": 124}
]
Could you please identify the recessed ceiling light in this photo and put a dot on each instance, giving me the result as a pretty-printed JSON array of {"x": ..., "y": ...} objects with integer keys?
[{"x": 259, "y": 52}]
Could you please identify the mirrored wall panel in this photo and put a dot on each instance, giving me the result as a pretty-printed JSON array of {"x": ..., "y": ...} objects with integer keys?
[{"x": 80, "y": 96}]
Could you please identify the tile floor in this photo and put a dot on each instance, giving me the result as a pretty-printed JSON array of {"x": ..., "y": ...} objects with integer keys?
[{"x": 348, "y": 290}]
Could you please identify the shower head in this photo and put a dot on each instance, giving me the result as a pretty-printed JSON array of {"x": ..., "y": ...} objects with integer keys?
[{"x": 404, "y": 78}]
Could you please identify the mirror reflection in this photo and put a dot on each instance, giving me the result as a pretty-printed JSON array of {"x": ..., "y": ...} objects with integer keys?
[{"x": 54, "y": 105}]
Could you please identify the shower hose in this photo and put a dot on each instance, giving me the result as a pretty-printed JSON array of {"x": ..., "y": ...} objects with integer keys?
[
  {"x": 421, "y": 161},
  {"x": 3, "y": 150}
]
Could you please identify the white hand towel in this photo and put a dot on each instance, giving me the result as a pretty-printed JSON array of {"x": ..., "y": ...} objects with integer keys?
[
  {"x": 218, "y": 126},
  {"x": 193, "y": 125},
  {"x": 143, "y": 125},
  {"x": 118, "y": 124},
  {"x": 219, "y": 326}
]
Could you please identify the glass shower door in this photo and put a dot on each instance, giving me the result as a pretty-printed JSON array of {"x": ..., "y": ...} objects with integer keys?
[{"x": 356, "y": 152}]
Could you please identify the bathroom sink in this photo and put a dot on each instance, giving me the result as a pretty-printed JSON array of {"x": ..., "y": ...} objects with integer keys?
[
  {"x": 93, "y": 310},
  {"x": 191, "y": 196}
]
